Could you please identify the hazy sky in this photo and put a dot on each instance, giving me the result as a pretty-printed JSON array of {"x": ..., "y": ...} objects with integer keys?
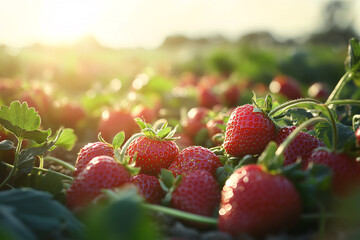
[{"x": 145, "y": 23}]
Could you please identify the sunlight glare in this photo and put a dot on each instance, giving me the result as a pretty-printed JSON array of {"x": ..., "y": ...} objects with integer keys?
[{"x": 66, "y": 21}]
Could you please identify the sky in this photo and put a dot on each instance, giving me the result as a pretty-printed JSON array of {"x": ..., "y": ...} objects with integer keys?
[{"x": 146, "y": 23}]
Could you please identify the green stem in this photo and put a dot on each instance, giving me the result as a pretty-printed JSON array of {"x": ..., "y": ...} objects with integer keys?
[
  {"x": 281, "y": 149},
  {"x": 343, "y": 102},
  {"x": 60, "y": 162},
  {"x": 42, "y": 170},
  {"x": 340, "y": 85},
  {"x": 293, "y": 103},
  {"x": 181, "y": 214},
  {"x": 41, "y": 162},
  {"x": 333, "y": 126},
  {"x": 16, "y": 162},
  {"x": 126, "y": 145}
]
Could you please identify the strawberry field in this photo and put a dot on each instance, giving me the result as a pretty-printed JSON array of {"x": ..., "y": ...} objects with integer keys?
[{"x": 237, "y": 142}]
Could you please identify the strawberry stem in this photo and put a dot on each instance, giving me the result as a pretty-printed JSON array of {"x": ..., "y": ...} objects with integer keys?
[
  {"x": 293, "y": 103},
  {"x": 43, "y": 170},
  {"x": 181, "y": 214},
  {"x": 60, "y": 162},
  {"x": 343, "y": 102},
  {"x": 127, "y": 143},
  {"x": 16, "y": 162},
  {"x": 340, "y": 85}
]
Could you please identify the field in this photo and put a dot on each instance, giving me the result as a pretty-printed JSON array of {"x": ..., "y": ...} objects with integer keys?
[{"x": 192, "y": 140}]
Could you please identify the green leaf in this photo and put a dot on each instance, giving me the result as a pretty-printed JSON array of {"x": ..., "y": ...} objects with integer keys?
[
  {"x": 267, "y": 158},
  {"x": 164, "y": 132},
  {"x": 140, "y": 122},
  {"x": 346, "y": 134},
  {"x": 352, "y": 61},
  {"x": 118, "y": 140},
  {"x": 38, "y": 136},
  {"x": 19, "y": 118},
  {"x": 122, "y": 218},
  {"x": 166, "y": 179},
  {"x": 6, "y": 145},
  {"x": 34, "y": 213},
  {"x": 65, "y": 138},
  {"x": 27, "y": 156}
]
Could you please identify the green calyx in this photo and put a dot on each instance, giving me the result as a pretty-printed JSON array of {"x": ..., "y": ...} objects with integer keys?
[
  {"x": 263, "y": 105},
  {"x": 160, "y": 130},
  {"x": 168, "y": 183}
]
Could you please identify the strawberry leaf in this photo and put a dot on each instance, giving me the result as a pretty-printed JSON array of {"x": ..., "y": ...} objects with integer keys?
[
  {"x": 352, "y": 61},
  {"x": 6, "y": 145},
  {"x": 118, "y": 140},
  {"x": 140, "y": 122},
  {"x": 65, "y": 138},
  {"x": 164, "y": 132},
  {"x": 166, "y": 179},
  {"x": 33, "y": 214},
  {"x": 346, "y": 134},
  {"x": 27, "y": 156},
  {"x": 268, "y": 159}
]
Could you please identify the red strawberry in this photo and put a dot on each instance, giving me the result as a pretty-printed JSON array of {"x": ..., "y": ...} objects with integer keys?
[
  {"x": 319, "y": 91},
  {"x": 357, "y": 136},
  {"x": 302, "y": 146},
  {"x": 112, "y": 122},
  {"x": 207, "y": 98},
  {"x": 286, "y": 86},
  {"x": 153, "y": 151},
  {"x": 70, "y": 114},
  {"x": 248, "y": 131},
  {"x": 195, "y": 121},
  {"x": 183, "y": 141},
  {"x": 231, "y": 95},
  {"x": 346, "y": 170},
  {"x": 101, "y": 172},
  {"x": 145, "y": 113},
  {"x": 88, "y": 152},
  {"x": 148, "y": 187},
  {"x": 257, "y": 202},
  {"x": 195, "y": 158},
  {"x": 198, "y": 193}
]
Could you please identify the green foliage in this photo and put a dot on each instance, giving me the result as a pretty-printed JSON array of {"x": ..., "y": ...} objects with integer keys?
[
  {"x": 23, "y": 122},
  {"x": 31, "y": 214},
  {"x": 66, "y": 139},
  {"x": 122, "y": 218},
  {"x": 346, "y": 135},
  {"x": 353, "y": 58}
]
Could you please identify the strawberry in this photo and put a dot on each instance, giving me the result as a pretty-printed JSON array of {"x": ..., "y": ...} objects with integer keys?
[
  {"x": 70, "y": 114},
  {"x": 346, "y": 170},
  {"x": 256, "y": 202},
  {"x": 148, "y": 187},
  {"x": 231, "y": 95},
  {"x": 207, "y": 98},
  {"x": 195, "y": 121},
  {"x": 148, "y": 114},
  {"x": 286, "y": 86},
  {"x": 198, "y": 193},
  {"x": 154, "y": 150},
  {"x": 319, "y": 91},
  {"x": 357, "y": 136},
  {"x": 112, "y": 122},
  {"x": 101, "y": 172},
  {"x": 88, "y": 152},
  {"x": 195, "y": 158},
  {"x": 183, "y": 141},
  {"x": 248, "y": 131},
  {"x": 302, "y": 146}
]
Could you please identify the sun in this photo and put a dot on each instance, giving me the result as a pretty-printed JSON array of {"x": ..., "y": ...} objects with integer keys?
[{"x": 64, "y": 21}]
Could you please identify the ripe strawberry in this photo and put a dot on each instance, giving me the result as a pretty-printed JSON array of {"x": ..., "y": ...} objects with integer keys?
[
  {"x": 112, "y": 122},
  {"x": 357, "y": 136},
  {"x": 101, "y": 172},
  {"x": 248, "y": 131},
  {"x": 346, "y": 170},
  {"x": 198, "y": 193},
  {"x": 195, "y": 158},
  {"x": 302, "y": 146},
  {"x": 319, "y": 91},
  {"x": 231, "y": 95},
  {"x": 88, "y": 152},
  {"x": 154, "y": 150},
  {"x": 148, "y": 187},
  {"x": 286, "y": 86},
  {"x": 70, "y": 114},
  {"x": 183, "y": 141},
  {"x": 195, "y": 121},
  {"x": 207, "y": 98},
  {"x": 145, "y": 113},
  {"x": 257, "y": 202}
]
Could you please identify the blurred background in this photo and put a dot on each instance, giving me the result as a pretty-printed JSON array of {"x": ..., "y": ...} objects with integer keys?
[{"x": 92, "y": 57}]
